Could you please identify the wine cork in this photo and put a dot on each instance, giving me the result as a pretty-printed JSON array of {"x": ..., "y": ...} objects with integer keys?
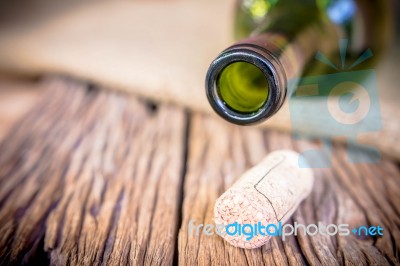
[{"x": 268, "y": 193}]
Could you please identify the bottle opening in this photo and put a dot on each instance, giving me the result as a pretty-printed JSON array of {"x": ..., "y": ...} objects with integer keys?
[
  {"x": 245, "y": 84},
  {"x": 243, "y": 87}
]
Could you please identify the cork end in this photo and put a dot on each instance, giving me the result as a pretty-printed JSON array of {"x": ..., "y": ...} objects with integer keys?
[
  {"x": 240, "y": 212},
  {"x": 264, "y": 197}
]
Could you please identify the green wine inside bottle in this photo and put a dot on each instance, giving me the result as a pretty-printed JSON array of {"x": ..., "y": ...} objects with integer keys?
[{"x": 247, "y": 82}]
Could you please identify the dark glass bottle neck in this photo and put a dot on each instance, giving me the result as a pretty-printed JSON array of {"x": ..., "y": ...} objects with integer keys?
[
  {"x": 281, "y": 43},
  {"x": 278, "y": 54},
  {"x": 271, "y": 68}
]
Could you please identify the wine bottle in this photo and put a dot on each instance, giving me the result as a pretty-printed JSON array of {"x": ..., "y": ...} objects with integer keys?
[{"x": 248, "y": 82}]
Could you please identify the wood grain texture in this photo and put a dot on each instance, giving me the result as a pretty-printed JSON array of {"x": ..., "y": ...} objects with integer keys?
[
  {"x": 93, "y": 177},
  {"x": 17, "y": 97},
  {"x": 356, "y": 194}
]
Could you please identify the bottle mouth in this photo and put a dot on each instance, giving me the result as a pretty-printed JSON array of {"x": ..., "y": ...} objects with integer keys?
[
  {"x": 245, "y": 84},
  {"x": 243, "y": 87}
]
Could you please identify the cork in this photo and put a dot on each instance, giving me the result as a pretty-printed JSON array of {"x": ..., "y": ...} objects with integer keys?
[{"x": 268, "y": 193}]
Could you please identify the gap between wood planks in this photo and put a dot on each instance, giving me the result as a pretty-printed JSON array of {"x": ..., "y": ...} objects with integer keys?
[{"x": 97, "y": 177}]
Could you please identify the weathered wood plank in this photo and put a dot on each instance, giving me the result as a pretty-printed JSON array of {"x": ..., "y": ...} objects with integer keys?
[
  {"x": 91, "y": 177},
  {"x": 16, "y": 98},
  {"x": 355, "y": 194}
]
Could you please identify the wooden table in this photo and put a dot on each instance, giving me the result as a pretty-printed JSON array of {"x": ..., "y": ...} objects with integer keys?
[{"x": 89, "y": 176}]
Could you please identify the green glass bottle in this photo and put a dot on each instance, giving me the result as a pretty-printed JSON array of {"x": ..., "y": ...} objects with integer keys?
[{"x": 247, "y": 82}]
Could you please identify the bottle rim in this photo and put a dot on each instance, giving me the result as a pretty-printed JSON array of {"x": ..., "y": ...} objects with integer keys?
[{"x": 269, "y": 66}]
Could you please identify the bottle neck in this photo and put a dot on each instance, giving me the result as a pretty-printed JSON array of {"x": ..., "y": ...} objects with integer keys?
[
  {"x": 284, "y": 36},
  {"x": 280, "y": 55},
  {"x": 270, "y": 67}
]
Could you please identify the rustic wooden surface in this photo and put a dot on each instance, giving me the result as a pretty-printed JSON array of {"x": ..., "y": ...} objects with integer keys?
[
  {"x": 16, "y": 98},
  {"x": 95, "y": 177}
]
